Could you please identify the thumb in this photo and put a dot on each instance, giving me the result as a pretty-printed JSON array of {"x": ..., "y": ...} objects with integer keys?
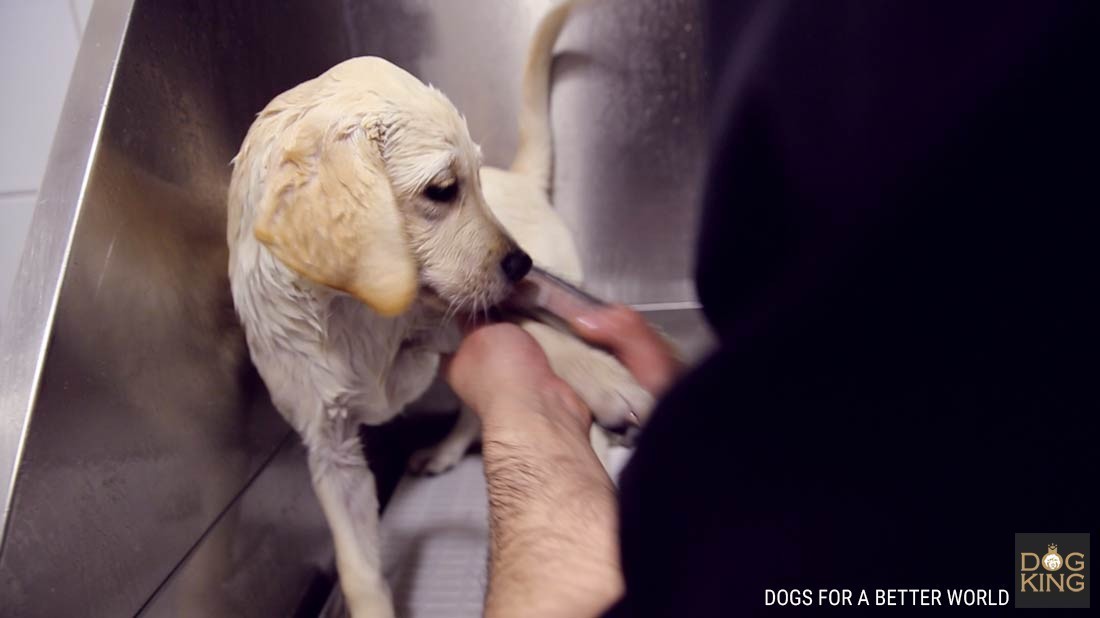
[{"x": 638, "y": 346}]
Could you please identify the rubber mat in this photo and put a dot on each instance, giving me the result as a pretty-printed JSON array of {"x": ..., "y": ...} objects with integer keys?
[{"x": 435, "y": 535}]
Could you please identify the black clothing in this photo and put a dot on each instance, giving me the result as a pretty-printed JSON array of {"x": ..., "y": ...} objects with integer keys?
[{"x": 899, "y": 253}]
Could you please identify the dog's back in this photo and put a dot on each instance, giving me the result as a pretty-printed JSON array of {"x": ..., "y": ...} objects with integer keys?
[{"x": 519, "y": 197}]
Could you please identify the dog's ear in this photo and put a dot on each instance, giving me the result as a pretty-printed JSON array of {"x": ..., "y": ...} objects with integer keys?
[{"x": 329, "y": 213}]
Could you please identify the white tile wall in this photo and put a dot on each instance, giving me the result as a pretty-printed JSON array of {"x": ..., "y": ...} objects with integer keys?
[
  {"x": 81, "y": 8},
  {"x": 38, "y": 44}
]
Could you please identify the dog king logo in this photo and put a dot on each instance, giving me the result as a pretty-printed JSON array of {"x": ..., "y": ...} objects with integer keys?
[
  {"x": 1052, "y": 561},
  {"x": 1055, "y": 577}
]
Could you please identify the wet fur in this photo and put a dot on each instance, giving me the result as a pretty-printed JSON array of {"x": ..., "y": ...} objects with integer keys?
[{"x": 345, "y": 276}]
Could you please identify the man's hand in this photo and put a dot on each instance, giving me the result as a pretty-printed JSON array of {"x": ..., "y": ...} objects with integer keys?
[
  {"x": 552, "y": 508},
  {"x": 642, "y": 350},
  {"x": 500, "y": 369}
]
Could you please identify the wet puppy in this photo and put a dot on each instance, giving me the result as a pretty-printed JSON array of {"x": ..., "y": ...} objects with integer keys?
[
  {"x": 360, "y": 219},
  {"x": 355, "y": 194},
  {"x": 519, "y": 197}
]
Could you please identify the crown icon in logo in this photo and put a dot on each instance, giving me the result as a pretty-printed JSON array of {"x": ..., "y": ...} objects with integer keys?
[{"x": 1053, "y": 548}]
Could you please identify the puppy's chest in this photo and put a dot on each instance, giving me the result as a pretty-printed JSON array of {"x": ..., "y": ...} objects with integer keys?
[{"x": 388, "y": 363}]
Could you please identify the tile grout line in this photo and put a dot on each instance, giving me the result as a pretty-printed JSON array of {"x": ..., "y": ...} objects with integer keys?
[{"x": 16, "y": 193}]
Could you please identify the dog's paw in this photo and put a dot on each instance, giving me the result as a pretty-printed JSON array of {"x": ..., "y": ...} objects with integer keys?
[
  {"x": 435, "y": 459},
  {"x": 616, "y": 400}
]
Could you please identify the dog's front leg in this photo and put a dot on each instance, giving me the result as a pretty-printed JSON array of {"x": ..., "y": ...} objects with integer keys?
[
  {"x": 346, "y": 491},
  {"x": 441, "y": 457},
  {"x": 611, "y": 392}
]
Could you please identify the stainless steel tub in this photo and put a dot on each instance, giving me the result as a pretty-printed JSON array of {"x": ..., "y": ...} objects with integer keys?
[{"x": 134, "y": 436}]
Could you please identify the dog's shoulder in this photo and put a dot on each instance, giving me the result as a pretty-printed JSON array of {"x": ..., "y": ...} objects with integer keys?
[{"x": 314, "y": 345}]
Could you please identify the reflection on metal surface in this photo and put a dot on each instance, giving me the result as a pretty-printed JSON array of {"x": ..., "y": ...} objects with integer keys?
[
  {"x": 627, "y": 106},
  {"x": 148, "y": 419},
  {"x": 129, "y": 439},
  {"x": 34, "y": 295},
  {"x": 230, "y": 571}
]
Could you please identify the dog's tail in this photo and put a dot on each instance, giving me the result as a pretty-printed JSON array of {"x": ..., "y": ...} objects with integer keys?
[{"x": 535, "y": 155}]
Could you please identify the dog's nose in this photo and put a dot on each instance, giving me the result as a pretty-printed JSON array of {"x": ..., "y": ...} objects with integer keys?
[{"x": 515, "y": 265}]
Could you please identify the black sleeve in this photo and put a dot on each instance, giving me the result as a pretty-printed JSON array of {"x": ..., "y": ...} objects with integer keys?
[{"x": 899, "y": 255}]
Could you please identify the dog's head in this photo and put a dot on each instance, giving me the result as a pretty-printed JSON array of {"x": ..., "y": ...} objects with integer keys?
[{"x": 370, "y": 186}]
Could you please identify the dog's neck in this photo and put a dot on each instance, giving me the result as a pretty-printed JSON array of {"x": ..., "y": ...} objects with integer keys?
[{"x": 322, "y": 339}]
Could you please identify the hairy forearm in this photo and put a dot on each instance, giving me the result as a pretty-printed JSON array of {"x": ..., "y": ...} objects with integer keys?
[{"x": 553, "y": 522}]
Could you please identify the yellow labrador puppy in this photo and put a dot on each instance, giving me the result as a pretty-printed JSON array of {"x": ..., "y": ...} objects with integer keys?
[{"x": 360, "y": 220}]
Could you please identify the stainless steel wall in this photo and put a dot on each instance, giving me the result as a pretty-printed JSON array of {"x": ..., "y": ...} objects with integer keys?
[
  {"x": 627, "y": 106},
  {"x": 148, "y": 470}
]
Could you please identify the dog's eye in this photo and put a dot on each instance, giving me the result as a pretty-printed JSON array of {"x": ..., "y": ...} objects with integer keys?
[{"x": 442, "y": 192}]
